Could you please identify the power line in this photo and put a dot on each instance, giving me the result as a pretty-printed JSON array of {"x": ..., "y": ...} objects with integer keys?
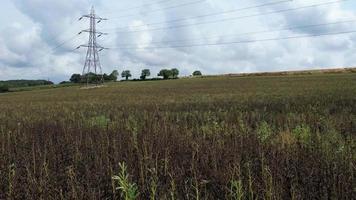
[
  {"x": 250, "y": 7},
  {"x": 220, "y": 13},
  {"x": 252, "y": 33},
  {"x": 165, "y": 8},
  {"x": 68, "y": 40},
  {"x": 241, "y": 41},
  {"x": 208, "y": 15},
  {"x": 235, "y": 18},
  {"x": 262, "y": 5},
  {"x": 63, "y": 43}
]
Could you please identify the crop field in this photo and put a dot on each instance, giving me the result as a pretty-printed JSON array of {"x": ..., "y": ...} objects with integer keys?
[{"x": 266, "y": 137}]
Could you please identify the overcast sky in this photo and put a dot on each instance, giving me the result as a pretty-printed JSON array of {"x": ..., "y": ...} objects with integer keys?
[{"x": 31, "y": 29}]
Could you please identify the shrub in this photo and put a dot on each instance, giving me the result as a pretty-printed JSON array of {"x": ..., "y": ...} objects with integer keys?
[
  {"x": 4, "y": 88},
  {"x": 197, "y": 73}
]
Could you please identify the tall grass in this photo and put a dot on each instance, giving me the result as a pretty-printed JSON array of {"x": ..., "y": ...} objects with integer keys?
[{"x": 217, "y": 138}]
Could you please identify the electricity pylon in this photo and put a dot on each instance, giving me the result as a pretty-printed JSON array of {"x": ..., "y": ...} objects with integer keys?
[{"x": 92, "y": 61}]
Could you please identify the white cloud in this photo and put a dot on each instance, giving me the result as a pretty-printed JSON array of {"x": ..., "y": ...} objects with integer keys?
[{"x": 39, "y": 25}]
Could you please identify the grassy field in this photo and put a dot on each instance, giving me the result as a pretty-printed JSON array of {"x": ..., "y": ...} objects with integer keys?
[{"x": 266, "y": 137}]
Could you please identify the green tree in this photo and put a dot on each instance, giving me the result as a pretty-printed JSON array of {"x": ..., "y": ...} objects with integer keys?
[
  {"x": 175, "y": 72},
  {"x": 126, "y": 74},
  {"x": 197, "y": 73},
  {"x": 114, "y": 75},
  {"x": 165, "y": 73},
  {"x": 145, "y": 73},
  {"x": 75, "y": 78},
  {"x": 93, "y": 78},
  {"x": 106, "y": 77}
]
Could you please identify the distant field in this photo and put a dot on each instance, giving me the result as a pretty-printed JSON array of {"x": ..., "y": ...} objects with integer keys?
[
  {"x": 301, "y": 72},
  {"x": 253, "y": 137}
]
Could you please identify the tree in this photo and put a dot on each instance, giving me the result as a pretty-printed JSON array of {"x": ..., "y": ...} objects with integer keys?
[
  {"x": 197, "y": 73},
  {"x": 114, "y": 74},
  {"x": 106, "y": 77},
  {"x": 165, "y": 73},
  {"x": 126, "y": 74},
  {"x": 145, "y": 73},
  {"x": 76, "y": 78},
  {"x": 92, "y": 78},
  {"x": 112, "y": 77},
  {"x": 175, "y": 72}
]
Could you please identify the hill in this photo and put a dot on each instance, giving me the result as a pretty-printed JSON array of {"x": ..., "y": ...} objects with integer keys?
[
  {"x": 25, "y": 83},
  {"x": 301, "y": 72}
]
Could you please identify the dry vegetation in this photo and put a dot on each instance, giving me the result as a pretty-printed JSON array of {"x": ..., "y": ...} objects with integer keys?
[{"x": 288, "y": 137}]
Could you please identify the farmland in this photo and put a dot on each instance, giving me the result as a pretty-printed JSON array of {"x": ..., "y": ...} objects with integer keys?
[{"x": 265, "y": 137}]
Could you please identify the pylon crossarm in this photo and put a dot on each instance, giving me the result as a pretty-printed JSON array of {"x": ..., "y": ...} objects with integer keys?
[
  {"x": 93, "y": 17},
  {"x": 91, "y": 46},
  {"x": 102, "y": 19},
  {"x": 90, "y": 31},
  {"x": 102, "y": 48}
]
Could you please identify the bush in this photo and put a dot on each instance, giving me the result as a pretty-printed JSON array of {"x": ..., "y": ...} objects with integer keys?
[
  {"x": 4, "y": 88},
  {"x": 197, "y": 73}
]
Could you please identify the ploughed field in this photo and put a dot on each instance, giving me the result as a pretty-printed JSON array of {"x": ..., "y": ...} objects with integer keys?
[{"x": 266, "y": 137}]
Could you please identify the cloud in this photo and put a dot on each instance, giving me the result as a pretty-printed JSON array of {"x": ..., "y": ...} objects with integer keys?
[{"x": 26, "y": 44}]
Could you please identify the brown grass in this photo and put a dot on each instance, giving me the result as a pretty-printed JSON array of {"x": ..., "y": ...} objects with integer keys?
[{"x": 216, "y": 138}]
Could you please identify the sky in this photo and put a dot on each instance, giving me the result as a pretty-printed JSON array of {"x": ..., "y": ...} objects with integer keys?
[{"x": 38, "y": 37}]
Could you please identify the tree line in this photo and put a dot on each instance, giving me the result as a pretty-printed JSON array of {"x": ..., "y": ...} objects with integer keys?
[
  {"x": 6, "y": 85},
  {"x": 126, "y": 74},
  {"x": 94, "y": 78},
  {"x": 164, "y": 73}
]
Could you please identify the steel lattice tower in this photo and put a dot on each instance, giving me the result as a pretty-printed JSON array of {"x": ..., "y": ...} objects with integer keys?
[{"x": 92, "y": 61}]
